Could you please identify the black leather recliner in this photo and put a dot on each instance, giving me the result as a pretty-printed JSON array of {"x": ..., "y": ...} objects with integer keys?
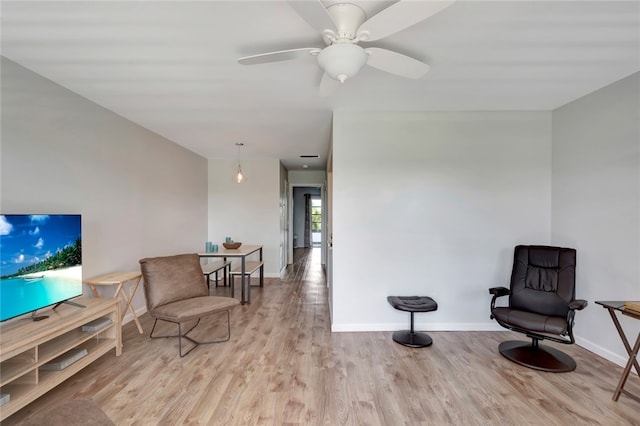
[{"x": 542, "y": 305}]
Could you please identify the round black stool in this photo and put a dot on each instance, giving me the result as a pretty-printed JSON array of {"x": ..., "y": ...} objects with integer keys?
[{"x": 412, "y": 304}]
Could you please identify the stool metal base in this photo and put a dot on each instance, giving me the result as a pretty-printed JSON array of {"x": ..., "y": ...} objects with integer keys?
[{"x": 412, "y": 339}]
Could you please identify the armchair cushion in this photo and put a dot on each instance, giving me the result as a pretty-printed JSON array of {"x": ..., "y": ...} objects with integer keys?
[
  {"x": 174, "y": 278},
  {"x": 543, "y": 280},
  {"x": 194, "y": 308},
  {"x": 531, "y": 321}
]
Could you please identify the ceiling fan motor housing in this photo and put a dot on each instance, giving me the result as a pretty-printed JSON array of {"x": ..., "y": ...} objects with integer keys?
[{"x": 347, "y": 18}]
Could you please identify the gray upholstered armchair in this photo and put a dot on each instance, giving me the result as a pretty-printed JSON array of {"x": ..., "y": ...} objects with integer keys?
[
  {"x": 176, "y": 292},
  {"x": 542, "y": 305}
]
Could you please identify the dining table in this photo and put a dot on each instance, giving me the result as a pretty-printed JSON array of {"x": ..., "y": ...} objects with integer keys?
[{"x": 241, "y": 253}]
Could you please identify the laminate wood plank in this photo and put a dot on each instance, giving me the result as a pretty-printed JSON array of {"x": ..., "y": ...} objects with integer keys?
[{"x": 283, "y": 366}]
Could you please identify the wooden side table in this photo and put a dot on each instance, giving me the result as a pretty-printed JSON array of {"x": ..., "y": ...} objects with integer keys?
[
  {"x": 118, "y": 279},
  {"x": 618, "y": 306}
]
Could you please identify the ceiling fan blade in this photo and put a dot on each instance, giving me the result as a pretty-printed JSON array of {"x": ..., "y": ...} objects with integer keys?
[
  {"x": 282, "y": 55},
  {"x": 395, "y": 63},
  {"x": 399, "y": 16},
  {"x": 314, "y": 13},
  {"x": 328, "y": 85}
]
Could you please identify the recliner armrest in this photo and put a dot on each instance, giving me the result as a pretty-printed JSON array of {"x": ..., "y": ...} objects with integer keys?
[
  {"x": 499, "y": 291},
  {"x": 578, "y": 304}
]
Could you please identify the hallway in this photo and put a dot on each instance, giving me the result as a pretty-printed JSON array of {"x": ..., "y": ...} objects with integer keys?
[{"x": 306, "y": 266}]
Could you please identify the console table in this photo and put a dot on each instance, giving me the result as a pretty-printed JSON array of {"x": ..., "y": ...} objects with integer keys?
[
  {"x": 618, "y": 306},
  {"x": 27, "y": 345},
  {"x": 119, "y": 279}
]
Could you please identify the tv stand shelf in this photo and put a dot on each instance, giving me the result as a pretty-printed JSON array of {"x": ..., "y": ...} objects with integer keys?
[{"x": 27, "y": 345}]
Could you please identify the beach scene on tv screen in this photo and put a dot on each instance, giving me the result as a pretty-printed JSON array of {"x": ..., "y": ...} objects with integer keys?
[{"x": 40, "y": 261}]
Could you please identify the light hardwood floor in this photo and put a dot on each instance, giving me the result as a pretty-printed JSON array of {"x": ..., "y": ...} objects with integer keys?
[{"x": 284, "y": 366}]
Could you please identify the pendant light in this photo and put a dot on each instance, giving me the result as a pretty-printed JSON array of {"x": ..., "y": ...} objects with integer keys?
[{"x": 239, "y": 177}]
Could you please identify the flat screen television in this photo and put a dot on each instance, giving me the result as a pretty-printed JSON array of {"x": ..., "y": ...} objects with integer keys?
[{"x": 40, "y": 262}]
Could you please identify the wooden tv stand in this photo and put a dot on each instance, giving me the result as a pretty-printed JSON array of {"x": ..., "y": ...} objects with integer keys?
[{"x": 26, "y": 345}]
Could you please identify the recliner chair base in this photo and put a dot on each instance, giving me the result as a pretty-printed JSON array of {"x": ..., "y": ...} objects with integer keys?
[{"x": 536, "y": 356}]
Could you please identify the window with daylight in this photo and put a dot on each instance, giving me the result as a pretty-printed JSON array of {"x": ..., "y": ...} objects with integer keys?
[{"x": 316, "y": 215}]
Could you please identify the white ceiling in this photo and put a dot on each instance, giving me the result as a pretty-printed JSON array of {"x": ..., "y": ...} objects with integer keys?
[{"x": 171, "y": 66}]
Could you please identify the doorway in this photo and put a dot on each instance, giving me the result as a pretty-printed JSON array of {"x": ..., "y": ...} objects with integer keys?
[{"x": 307, "y": 218}]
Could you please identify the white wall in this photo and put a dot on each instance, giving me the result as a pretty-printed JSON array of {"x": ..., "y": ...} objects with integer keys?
[
  {"x": 139, "y": 194},
  {"x": 247, "y": 212},
  {"x": 433, "y": 204},
  {"x": 307, "y": 177},
  {"x": 596, "y": 205}
]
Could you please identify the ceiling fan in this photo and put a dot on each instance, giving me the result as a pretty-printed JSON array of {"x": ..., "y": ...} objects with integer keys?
[{"x": 343, "y": 26}]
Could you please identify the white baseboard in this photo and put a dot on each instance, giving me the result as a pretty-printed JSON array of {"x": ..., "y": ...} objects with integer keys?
[
  {"x": 430, "y": 326},
  {"x": 599, "y": 350}
]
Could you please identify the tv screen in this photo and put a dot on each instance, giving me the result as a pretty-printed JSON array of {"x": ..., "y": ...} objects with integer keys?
[{"x": 40, "y": 262}]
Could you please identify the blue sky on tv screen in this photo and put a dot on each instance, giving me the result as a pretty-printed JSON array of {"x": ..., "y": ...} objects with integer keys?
[{"x": 29, "y": 239}]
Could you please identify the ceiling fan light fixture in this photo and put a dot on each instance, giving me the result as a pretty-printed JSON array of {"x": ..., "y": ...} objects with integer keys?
[{"x": 342, "y": 60}]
